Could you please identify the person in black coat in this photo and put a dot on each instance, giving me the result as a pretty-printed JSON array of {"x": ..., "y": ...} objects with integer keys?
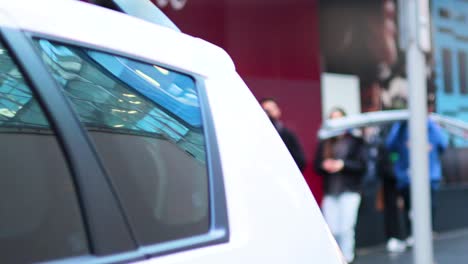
[
  {"x": 341, "y": 161},
  {"x": 270, "y": 106}
]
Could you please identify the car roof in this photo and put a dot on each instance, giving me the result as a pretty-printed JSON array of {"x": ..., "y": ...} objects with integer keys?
[{"x": 79, "y": 22}]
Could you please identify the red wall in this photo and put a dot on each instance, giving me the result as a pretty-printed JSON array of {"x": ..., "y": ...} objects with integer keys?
[{"x": 274, "y": 44}]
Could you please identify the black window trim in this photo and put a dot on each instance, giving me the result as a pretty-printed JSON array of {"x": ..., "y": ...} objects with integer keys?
[
  {"x": 101, "y": 213},
  {"x": 219, "y": 227}
]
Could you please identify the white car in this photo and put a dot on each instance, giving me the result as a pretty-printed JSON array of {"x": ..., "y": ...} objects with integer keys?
[{"x": 125, "y": 141}]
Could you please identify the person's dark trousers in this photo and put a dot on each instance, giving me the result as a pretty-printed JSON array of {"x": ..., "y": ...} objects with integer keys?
[
  {"x": 405, "y": 192},
  {"x": 392, "y": 214}
]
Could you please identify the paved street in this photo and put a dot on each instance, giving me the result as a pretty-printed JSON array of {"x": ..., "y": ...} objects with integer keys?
[{"x": 450, "y": 248}]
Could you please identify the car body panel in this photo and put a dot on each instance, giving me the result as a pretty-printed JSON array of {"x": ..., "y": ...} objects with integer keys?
[{"x": 188, "y": 53}]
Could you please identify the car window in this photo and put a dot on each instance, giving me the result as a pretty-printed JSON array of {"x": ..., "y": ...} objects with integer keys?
[
  {"x": 39, "y": 213},
  {"x": 145, "y": 122}
]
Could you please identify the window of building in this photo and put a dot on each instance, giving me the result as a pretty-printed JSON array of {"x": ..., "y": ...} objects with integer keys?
[
  {"x": 146, "y": 125},
  {"x": 462, "y": 73},
  {"x": 447, "y": 63},
  {"x": 39, "y": 212},
  {"x": 444, "y": 13}
]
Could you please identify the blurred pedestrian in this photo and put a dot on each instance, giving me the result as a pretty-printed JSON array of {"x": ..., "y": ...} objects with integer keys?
[
  {"x": 342, "y": 162},
  {"x": 379, "y": 183},
  {"x": 397, "y": 142},
  {"x": 388, "y": 198},
  {"x": 270, "y": 106}
]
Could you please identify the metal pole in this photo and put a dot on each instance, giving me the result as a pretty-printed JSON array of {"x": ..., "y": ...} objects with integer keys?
[{"x": 418, "y": 143}]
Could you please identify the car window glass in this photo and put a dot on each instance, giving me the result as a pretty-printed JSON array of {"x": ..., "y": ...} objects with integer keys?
[
  {"x": 145, "y": 122},
  {"x": 39, "y": 212}
]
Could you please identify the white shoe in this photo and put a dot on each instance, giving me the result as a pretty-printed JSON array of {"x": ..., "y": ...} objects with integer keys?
[
  {"x": 395, "y": 245},
  {"x": 350, "y": 259}
]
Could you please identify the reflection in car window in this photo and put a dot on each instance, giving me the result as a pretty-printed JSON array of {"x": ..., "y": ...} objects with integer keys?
[
  {"x": 39, "y": 212},
  {"x": 145, "y": 122},
  {"x": 123, "y": 98},
  {"x": 17, "y": 107},
  {"x": 174, "y": 91}
]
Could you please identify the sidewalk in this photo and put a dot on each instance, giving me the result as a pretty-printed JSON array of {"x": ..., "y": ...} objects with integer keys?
[{"x": 449, "y": 248}]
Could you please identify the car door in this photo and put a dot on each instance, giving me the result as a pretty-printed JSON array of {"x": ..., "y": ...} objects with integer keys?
[
  {"x": 143, "y": 153},
  {"x": 56, "y": 202}
]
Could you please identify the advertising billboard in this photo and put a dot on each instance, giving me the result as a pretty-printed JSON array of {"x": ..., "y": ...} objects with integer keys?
[{"x": 360, "y": 38}]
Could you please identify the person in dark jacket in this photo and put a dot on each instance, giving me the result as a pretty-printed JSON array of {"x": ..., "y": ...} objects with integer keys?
[
  {"x": 397, "y": 142},
  {"x": 270, "y": 106},
  {"x": 342, "y": 162},
  {"x": 388, "y": 197}
]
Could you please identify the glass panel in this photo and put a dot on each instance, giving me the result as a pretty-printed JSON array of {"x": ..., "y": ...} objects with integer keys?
[
  {"x": 39, "y": 212},
  {"x": 462, "y": 72},
  {"x": 447, "y": 62},
  {"x": 146, "y": 124}
]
